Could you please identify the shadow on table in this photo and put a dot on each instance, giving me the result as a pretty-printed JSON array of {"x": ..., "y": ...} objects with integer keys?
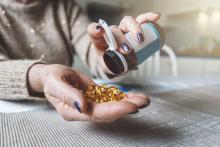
[
  {"x": 203, "y": 99},
  {"x": 136, "y": 129}
]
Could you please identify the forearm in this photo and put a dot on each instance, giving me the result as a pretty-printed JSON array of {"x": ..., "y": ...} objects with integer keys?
[{"x": 13, "y": 79}]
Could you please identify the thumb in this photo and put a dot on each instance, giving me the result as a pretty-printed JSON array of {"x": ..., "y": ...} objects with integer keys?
[
  {"x": 72, "y": 97},
  {"x": 96, "y": 32}
]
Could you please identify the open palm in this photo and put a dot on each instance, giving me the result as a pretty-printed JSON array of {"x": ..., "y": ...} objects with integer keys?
[{"x": 63, "y": 88}]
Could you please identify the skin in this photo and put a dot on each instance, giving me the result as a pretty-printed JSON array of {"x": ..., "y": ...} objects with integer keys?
[{"x": 63, "y": 85}]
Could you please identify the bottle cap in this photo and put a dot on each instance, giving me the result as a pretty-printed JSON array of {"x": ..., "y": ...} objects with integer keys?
[
  {"x": 113, "y": 62},
  {"x": 108, "y": 36}
]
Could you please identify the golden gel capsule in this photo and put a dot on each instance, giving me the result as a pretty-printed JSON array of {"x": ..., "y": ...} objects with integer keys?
[{"x": 103, "y": 93}]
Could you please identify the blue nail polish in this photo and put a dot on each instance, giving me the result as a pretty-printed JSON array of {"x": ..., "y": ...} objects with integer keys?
[
  {"x": 134, "y": 112},
  {"x": 140, "y": 37},
  {"x": 125, "y": 47},
  {"x": 77, "y": 106},
  {"x": 146, "y": 104},
  {"x": 136, "y": 68},
  {"x": 98, "y": 28}
]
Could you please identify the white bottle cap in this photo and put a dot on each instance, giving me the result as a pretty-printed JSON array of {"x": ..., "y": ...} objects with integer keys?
[{"x": 108, "y": 36}]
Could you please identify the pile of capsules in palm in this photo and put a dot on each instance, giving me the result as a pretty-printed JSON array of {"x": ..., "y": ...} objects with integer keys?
[{"x": 103, "y": 93}]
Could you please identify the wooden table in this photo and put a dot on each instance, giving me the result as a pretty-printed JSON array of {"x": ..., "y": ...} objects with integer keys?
[{"x": 183, "y": 112}]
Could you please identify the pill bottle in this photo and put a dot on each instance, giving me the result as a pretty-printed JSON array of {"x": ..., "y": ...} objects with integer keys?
[{"x": 119, "y": 63}]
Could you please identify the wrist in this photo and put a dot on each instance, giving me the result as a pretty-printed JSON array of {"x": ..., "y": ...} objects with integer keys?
[{"x": 36, "y": 78}]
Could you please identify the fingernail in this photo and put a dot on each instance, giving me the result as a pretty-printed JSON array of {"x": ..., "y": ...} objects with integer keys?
[
  {"x": 98, "y": 28},
  {"x": 125, "y": 47},
  {"x": 77, "y": 106},
  {"x": 136, "y": 68},
  {"x": 158, "y": 13},
  {"x": 140, "y": 37},
  {"x": 146, "y": 104},
  {"x": 134, "y": 112}
]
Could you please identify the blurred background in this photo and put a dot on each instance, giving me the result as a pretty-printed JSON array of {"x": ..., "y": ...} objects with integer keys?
[{"x": 191, "y": 28}]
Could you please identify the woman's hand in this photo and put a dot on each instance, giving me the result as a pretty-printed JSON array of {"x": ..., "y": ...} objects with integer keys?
[
  {"x": 63, "y": 88},
  {"x": 127, "y": 24}
]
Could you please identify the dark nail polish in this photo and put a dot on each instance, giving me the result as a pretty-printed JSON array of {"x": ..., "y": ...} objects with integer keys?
[
  {"x": 136, "y": 68},
  {"x": 140, "y": 37},
  {"x": 146, "y": 104},
  {"x": 98, "y": 28},
  {"x": 134, "y": 112},
  {"x": 77, "y": 106},
  {"x": 125, "y": 47}
]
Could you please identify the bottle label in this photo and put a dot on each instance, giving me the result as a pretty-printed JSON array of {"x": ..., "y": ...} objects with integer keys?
[
  {"x": 150, "y": 45},
  {"x": 147, "y": 51}
]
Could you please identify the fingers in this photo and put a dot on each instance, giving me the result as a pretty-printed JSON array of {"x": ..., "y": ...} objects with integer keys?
[
  {"x": 129, "y": 24},
  {"x": 153, "y": 17},
  {"x": 123, "y": 45},
  {"x": 69, "y": 113},
  {"x": 104, "y": 112},
  {"x": 84, "y": 81},
  {"x": 71, "y": 96},
  {"x": 74, "y": 97},
  {"x": 96, "y": 32},
  {"x": 140, "y": 100},
  {"x": 107, "y": 112}
]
